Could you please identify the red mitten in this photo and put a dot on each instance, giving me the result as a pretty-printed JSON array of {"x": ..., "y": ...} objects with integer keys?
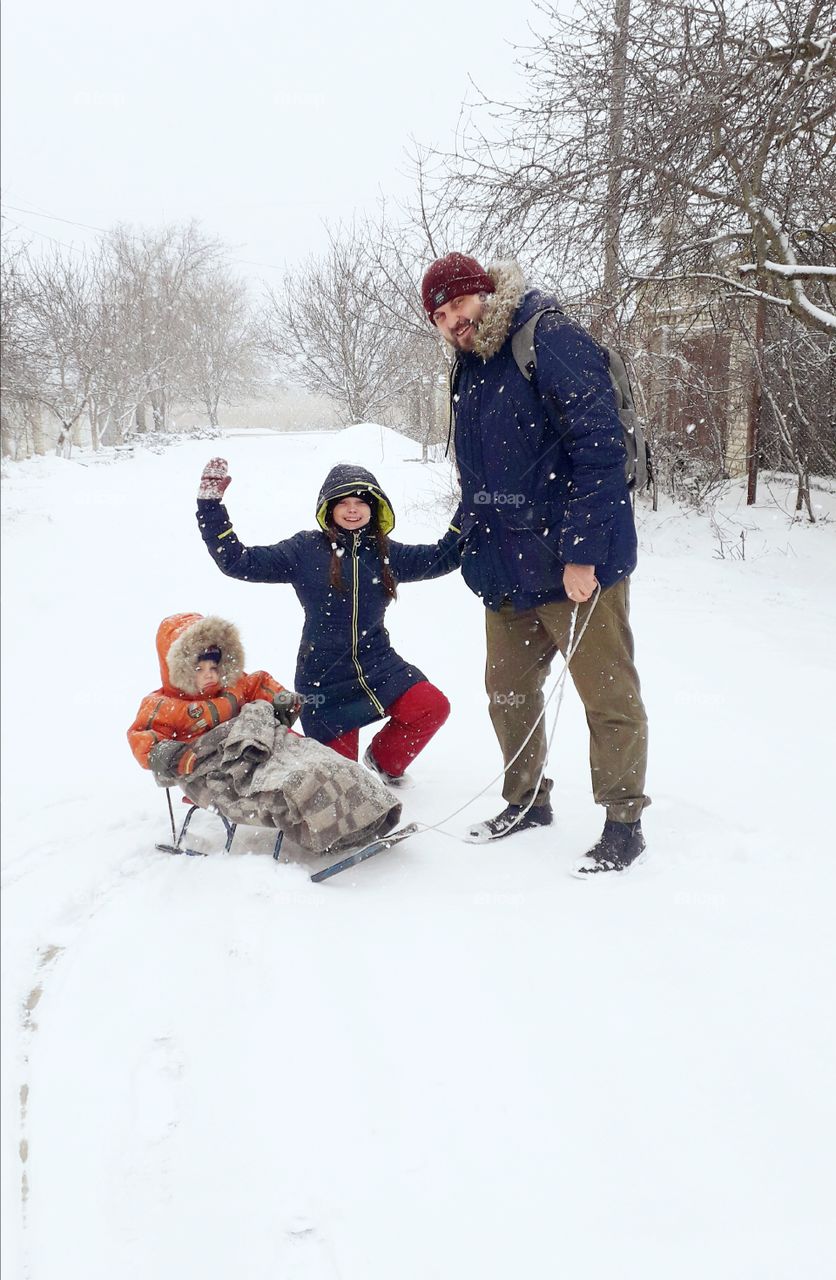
[{"x": 215, "y": 480}]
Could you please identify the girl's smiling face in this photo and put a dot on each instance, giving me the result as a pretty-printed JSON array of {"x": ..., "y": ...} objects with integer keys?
[{"x": 351, "y": 513}]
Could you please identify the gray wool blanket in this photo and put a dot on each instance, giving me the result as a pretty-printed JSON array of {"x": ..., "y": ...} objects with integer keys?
[{"x": 255, "y": 771}]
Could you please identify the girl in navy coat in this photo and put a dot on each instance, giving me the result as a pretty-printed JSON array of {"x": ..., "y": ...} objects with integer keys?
[{"x": 345, "y": 574}]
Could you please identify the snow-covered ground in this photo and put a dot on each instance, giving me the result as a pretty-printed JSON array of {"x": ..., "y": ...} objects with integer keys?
[{"x": 455, "y": 1061}]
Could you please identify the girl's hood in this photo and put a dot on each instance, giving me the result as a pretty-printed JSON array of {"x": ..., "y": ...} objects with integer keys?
[{"x": 345, "y": 479}]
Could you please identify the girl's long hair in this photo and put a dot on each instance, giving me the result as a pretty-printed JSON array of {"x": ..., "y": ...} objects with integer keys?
[{"x": 335, "y": 575}]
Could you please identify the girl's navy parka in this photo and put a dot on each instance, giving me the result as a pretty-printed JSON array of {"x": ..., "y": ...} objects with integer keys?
[{"x": 347, "y": 672}]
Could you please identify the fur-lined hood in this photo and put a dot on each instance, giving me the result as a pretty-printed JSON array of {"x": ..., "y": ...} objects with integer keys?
[
  {"x": 499, "y": 309},
  {"x": 183, "y": 636}
]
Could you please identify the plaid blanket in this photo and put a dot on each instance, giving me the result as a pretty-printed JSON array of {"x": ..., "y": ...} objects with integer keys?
[{"x": 255, "y": 771}]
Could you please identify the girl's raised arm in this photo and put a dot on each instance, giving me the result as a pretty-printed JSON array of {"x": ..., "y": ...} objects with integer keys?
[{"x": 277, "y": 563}]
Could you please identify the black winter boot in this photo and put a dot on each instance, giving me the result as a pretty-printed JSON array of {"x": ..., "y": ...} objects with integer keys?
[
  {"x": 620, "y": 845},
  {"x": 508, "y": 823},
  {"x": 389, "y": 778}
]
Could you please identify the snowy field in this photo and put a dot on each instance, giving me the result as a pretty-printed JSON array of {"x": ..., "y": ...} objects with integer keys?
[{"x": 454, "y": 1061}]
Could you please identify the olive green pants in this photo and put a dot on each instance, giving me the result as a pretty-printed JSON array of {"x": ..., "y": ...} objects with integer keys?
[{"x": 521, "y": 646}]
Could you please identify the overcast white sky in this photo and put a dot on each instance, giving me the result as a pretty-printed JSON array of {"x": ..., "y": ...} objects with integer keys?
[{"x": 261, "y": 120}]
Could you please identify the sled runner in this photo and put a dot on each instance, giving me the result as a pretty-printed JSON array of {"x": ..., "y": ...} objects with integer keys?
[
  {"x": 177, "y": 845},
  {"x": 377, "y": 846}
]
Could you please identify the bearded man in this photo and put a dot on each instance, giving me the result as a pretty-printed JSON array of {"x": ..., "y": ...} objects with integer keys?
[{"x": 548, "y": 529}]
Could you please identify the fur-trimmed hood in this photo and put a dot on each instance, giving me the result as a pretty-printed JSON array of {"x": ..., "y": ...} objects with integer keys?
[
  {"x": 183, "y": 636},
  {"x": 500, "y": 307}
]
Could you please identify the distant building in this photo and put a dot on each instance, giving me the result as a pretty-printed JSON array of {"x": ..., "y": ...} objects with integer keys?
[{"x": 698, "y": 377}]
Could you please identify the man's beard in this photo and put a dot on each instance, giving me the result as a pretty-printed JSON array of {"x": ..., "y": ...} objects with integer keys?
[{"x": 469, "y": 329}]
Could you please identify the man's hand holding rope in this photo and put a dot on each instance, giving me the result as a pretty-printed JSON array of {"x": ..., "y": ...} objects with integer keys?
[{"x": 579, "y": 582}]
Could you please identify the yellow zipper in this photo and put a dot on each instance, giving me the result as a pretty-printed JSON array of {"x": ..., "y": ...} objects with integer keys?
[{"x": 354, "y": 637}]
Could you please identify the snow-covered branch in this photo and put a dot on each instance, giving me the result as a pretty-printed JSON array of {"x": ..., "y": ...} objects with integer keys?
[
  {"x": 788, "y": 271},
  {"x": 801, "y": 305},
  {"x": 715, "y": 278}
]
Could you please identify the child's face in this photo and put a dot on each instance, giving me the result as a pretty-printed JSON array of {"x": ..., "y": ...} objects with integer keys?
[
  {"x": 351, "y": 513},
  {"x": 208, "y": 674}
]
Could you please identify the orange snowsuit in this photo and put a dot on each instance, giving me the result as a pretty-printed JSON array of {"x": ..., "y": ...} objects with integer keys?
[{"x": 176, "y": 711}]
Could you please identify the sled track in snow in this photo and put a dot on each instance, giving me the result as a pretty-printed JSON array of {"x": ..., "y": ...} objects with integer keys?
[{"x": 48, "y": 958}]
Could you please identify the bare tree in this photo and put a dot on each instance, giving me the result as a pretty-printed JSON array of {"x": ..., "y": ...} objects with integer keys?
[
  {"x": 615, "y": 162},
  {"x": 57, "y": 336},
  {"x": 146, "y": 317},
  {"x": 743, "y": 144},
  {"x": 797, "y": 374},
  {"x": 399, "y": 248},
  {"x": 720, "y": 163},
  {"x": 331, "y": 333},
  {"x": 19, "y": 355},
  {"x": 220, "y": 358},
  {"x": 122, "y": 379},
  {"x": 157, "y": 269}
]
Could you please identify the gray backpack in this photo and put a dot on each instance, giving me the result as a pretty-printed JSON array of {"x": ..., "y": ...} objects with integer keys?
[{"x": 639, "y": 467}]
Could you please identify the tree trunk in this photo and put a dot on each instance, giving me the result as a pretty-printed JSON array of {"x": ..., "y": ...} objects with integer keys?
[
  {"x": 64, "y": 443},
  {"x": 93, "y": 415},
  {"x": 159, "y": 410},
  {"x": 605, "y": 322},
  {"x": 753, "y": 429},
  {"x": 803, "y": 496},
  {"x": 35, "y": 424}
]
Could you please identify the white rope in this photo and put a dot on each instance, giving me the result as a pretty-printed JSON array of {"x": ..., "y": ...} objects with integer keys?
[{"x": 559, "y": 688}]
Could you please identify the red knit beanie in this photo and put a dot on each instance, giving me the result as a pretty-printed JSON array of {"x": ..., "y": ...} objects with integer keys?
[{"x": 453, "y": 276}]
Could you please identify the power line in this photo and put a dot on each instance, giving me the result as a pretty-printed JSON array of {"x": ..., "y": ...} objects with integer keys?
[
  {"x": 21, "y": 226},
  {"x": 87, "y": 226},
  {"x": 54, "y": 218}
]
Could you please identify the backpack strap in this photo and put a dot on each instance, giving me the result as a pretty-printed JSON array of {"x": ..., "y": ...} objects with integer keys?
[
  {"x": 522, "y": 342},
  {"x": 455, "y": 370}
]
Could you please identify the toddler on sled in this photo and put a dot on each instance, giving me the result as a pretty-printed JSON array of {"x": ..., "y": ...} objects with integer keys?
[{"x": 224, "y": 738}]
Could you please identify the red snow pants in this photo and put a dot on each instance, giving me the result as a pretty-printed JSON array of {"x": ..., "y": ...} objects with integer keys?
[{"x": 413, "y": 719}]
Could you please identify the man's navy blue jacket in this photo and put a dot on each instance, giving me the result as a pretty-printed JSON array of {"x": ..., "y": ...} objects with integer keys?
[
  {"x": 541, "y": 464},
  {"x": 347, "y": 671}
]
